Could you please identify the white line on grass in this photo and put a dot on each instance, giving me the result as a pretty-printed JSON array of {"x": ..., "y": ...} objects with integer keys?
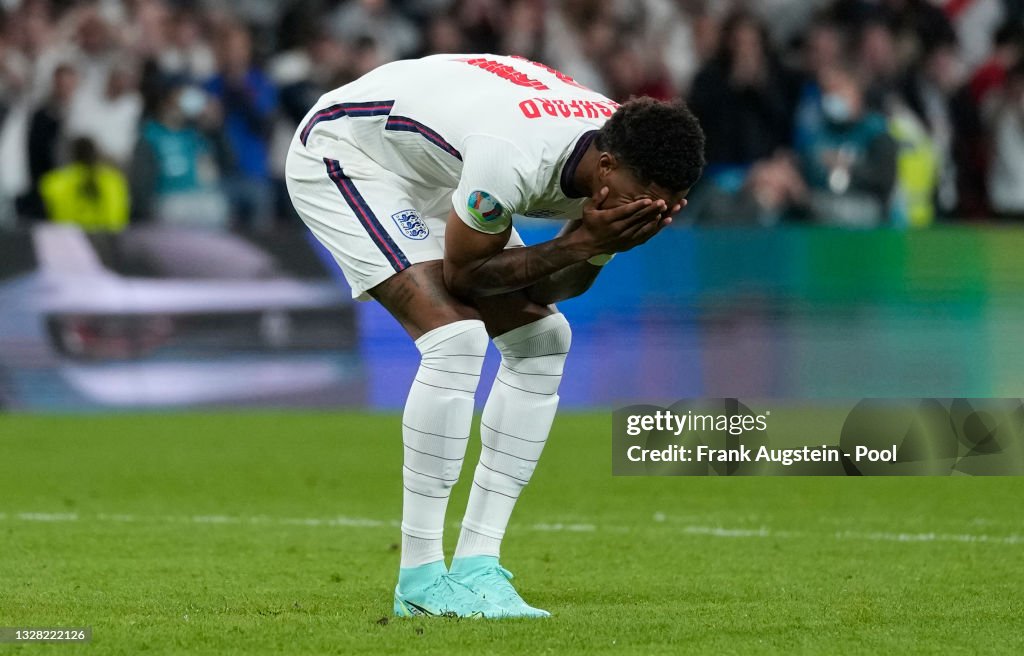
[
  {"x": 48, "y": 517},
  {"x": 929, "y": 537},
  {"x": 572, "y": 528},
  {"x": 659, "y": 521}
]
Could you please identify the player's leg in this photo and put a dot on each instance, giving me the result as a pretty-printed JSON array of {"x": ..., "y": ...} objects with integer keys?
[
  {"x": 533, "y": 341},
  {"x": 392, "y": 261},
  {"x": 436, "y": 424}
]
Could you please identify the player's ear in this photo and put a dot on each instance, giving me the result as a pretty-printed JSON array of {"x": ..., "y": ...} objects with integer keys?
[{"x": 606, "y": 164}]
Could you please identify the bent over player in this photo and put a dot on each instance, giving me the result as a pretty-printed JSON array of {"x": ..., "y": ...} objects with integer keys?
[{"x": 410, "y": 176}]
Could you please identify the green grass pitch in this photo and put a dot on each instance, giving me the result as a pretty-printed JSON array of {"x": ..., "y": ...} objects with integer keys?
[{"x": 277, "y": 533}]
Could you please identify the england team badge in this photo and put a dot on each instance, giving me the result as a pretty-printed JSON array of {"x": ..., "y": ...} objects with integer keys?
[{"x": 411, "y": 225}]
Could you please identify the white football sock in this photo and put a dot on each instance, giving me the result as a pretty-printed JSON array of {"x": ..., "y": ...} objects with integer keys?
[
  {"x": 514, "y": 428},
  {"x": 435, "y": 429}
]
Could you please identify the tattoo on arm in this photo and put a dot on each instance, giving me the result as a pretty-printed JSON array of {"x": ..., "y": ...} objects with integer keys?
[
  {"x": 562, "y": 285},
  {"x": 478, "y": 264}
]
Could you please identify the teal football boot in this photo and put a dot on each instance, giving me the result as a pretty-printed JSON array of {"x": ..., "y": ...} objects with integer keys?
[
  {"x": 484, "y": 576},
  {"x": 430, "y": 591}
]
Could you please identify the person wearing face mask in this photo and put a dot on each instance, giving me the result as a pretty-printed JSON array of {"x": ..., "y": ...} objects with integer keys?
[
  {"x": 174, "y": 174},
  {"x": 849, "y": 160}
]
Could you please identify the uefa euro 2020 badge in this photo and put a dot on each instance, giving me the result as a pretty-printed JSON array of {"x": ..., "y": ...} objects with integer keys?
[
  {"x": 484, "y": 207},
  {"x": 411, "y": 225}
]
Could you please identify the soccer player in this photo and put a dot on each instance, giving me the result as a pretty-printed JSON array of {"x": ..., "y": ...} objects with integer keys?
[{"x": 411, "y": 176}]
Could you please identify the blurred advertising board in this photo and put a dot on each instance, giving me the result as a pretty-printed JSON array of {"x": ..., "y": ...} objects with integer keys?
[{"x": 168, "y": 318}]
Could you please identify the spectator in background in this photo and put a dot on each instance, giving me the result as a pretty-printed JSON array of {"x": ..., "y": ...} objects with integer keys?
[
  {"x": 707, "y": 30},
  {"x": 39, "y": 51},
  {"x": 975, "y": 21},
  {"x": 12, "y": 75},
  {"x": 110, "y": 120},
  {"x": 174, "y": 172},
  {"x": 825, "y": 45},
  {"x": 310, "y": 64},
  {"x": 95, "y": 53},
  {"x": 306, "y": 72},
  {"x": 935, "y": 92},
  {"x": 249, "y": 100},
  {"x": 442, "y": 34},
  {"x": 12, "y": 81},
  {"x": 881, "y": 67},
  {"x": 669, "y": 33},
  {"x": 47, "y": 137},
  {"x": 906, "y": 52},
  {"x": 580, "y": 34},
  {"x": 913, "y": 198},
  {"x": 147, "y": 27},
  {"x": 395, "y": 35},
  {"x": 524, "y": 37},
  {"x": 1006, "y": 174},
  {"x": 365, "y": 56},
  {"x": 991, "y": 75},
  {"x": 850, "y": 162},
  {"x": 823, "y": 49},
  {"x": 87, "y": 192},
  {"x": 879, "y": 61},
  {"x": 483, "y": 23},
  {"x": 629, "y": 73},
  {"x": 786, "y": 19},
  {"x": 188, "y": 52},
  {"x": 743, "y": 99},
  {"x": 659, "y": 36},
  {"x": 773, "y": 191},
  {"x": 915, "y": 22}
]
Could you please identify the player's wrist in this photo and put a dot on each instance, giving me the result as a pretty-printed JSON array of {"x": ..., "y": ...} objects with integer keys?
[{"x": 579, "y": 243}]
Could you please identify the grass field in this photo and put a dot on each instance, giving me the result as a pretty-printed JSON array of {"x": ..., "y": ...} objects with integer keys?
[{"x": 277, "y": 533}]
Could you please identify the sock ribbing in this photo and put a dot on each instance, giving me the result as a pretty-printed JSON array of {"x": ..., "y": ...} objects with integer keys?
[
  {"x": 514, "y": 429},
  {"x": 435, "y": 430}
]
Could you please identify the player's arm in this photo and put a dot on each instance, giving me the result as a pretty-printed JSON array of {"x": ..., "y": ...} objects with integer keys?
[
  {"x": 477, "y": 263},
  {"x": 568, "y": 283},
  {"x": 573, "y": 280}
]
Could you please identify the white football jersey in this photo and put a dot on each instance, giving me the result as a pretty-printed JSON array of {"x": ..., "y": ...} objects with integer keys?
[{"x": 503, "y": 133}]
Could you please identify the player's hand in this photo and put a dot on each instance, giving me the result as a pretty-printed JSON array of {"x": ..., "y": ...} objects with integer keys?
[{"x": 619, "y": 229}]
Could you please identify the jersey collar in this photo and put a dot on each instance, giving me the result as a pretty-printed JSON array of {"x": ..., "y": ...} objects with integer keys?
[{"x": 571, "y": 164}]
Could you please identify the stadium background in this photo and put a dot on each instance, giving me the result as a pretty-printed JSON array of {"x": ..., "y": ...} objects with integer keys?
[
  {"x": 760, "y": 291},
  {"x": 254, "y": 517}
]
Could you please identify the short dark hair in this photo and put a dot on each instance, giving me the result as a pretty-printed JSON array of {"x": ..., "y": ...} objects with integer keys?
[{"x": 659, "y": 142}]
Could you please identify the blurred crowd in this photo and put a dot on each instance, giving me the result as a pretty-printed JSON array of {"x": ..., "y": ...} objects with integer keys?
[{"x": 839, "y": 112}]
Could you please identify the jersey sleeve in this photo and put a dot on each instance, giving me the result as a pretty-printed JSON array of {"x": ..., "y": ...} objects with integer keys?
[{"x": 492, "y": 186}]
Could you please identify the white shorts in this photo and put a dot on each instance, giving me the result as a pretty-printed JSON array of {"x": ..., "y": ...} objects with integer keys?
[{"x": 373, "y": 222}]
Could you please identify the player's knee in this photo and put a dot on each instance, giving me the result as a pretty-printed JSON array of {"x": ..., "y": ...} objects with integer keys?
[
  {"x": 533, "y": 356},
  {"x": 550, "y": 337},
  {"x": 456, "y": 348},
  {"x": 561, "y": 338}
]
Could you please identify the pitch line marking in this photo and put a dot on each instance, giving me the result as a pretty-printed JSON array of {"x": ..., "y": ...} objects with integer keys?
[
  {"x": 557, "y": 527},
  {"x": 47, "y": 517}
]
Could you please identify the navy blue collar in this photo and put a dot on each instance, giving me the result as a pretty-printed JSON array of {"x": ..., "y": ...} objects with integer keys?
[{"x": 571, "y": 164}]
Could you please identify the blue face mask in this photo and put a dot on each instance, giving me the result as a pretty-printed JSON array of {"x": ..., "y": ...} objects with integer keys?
[{"x": 836, "y": 108}]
